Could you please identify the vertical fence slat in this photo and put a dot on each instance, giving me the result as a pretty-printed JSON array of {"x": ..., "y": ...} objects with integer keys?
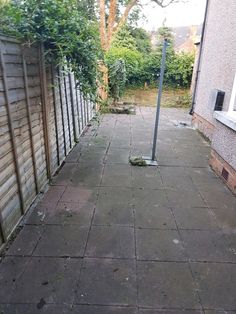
[
  {"x": 55, "y": 112},
  {"x": 45, "y": 107},
  {"x": 77, "y": 106},
  {"x": 30, "y": 124},
  {"x": 73, "y": 108},
  {"x": 81, "y": 107},
  {"x": 67, "y": 111},
  {"x": 87, "y": 105},
  {"x": 85, "y": 114},
  {"x": 11, "y": 130},
  {"x": 62, "y": 110}
]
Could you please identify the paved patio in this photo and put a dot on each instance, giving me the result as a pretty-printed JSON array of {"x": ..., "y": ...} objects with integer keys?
[{"x": 111, "y": 238}]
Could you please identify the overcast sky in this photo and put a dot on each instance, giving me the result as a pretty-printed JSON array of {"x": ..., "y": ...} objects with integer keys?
[{"x": 178, "y": 14}]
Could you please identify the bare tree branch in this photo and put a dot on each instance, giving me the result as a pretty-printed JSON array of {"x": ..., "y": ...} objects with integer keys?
[
  {"x": 125, "y": 15},
  {"x": 165, "y": 3}
]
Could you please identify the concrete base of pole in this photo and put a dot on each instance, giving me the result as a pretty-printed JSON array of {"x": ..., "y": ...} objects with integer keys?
[{"x": 149, "y": 161}]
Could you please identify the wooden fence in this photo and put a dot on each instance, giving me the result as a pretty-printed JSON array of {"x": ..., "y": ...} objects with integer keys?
[{"x": 42, "y": 114}]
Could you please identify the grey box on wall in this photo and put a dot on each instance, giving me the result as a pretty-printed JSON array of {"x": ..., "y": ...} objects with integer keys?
[{"x": 216, "y": 100}]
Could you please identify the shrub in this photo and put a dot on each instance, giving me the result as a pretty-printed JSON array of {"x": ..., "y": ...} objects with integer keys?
[{"x": 68, "y": 36}]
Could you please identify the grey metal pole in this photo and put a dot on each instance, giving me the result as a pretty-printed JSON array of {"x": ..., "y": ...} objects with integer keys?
[{"x": 163, "y": 62}]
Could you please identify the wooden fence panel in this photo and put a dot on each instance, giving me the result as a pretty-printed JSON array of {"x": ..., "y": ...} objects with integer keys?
[{"x": 42, "y": 114}]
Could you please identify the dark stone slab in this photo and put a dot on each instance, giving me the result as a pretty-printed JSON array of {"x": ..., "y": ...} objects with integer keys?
[
  {"x": 114, "y": 214},
  {"x": 37, "y": 215},
  {"x": 108, "y": 282},
  {"x": 146, "y": 177},
  {"x": 62, "y": 240},
  {"x": 54, "y": 194},
  {"x": 178, "y": 182},
  {"x": 111, "y": 242},
  {"x": 226, "y": 218},
  {"x": 166, "y": 285},
  {"x": 114, "y": 195},
  {"x": 218, "y": 312},
  {"x": 174, "y": 311},
  {"x": 154, "y": 216},
  {"x": 184, "y": 198},
  {"x": 204, "y": 245},
  {"x": 195, "y": 218},
  {"x": 90, "y": 309},
  {"x": 70, "y": 213},
  {"x": 87, "y": 174},
  {"x": 11, "y": 268},
  {"x": 163, "y": 245},
  {"x": 148, "y": 197},
  {"x": 216, "y": 284},
  {"x": 79, "y": 194},
  {"x": 117, "y": 175},
  {"x": 116, "y": 155},
  {"x": 94, "y": 155},
  {"x": 34, "y": 308},
  {"x": 221, "y": 199},
  {"x": 64, "y": 175},
  {"x": 26, "y": 241},
  {"x": 47, "y": 280}
]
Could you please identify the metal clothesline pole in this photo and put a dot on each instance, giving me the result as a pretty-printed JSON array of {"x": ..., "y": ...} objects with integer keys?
[{"x": 163, "y": 62}]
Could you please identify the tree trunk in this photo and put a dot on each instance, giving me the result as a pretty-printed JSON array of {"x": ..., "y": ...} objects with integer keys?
[{"x": 103, "y": 88}]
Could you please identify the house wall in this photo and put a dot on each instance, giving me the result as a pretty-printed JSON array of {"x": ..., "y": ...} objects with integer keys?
[
  {"x": 217, "y": 71},
  {"x": 42, "y": 114}
]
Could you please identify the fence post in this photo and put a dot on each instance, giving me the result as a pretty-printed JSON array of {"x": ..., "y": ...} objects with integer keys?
[
  {"x": 30, "y": 123},
  {"x": 67, "y": 110},
  {"x": 62, "y": 111},
  {"x": 55, "y": 112},
  {"x": 77, "y": 106},
  {"x": 73, "y": 109},
  {"x": 43, "y": 80},
  {"x": 12, "y": 135}
]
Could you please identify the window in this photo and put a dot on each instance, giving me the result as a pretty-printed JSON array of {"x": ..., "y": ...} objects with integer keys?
[
  {"x": 232, "y": 103},
  {"x": 228, "y": 118}
]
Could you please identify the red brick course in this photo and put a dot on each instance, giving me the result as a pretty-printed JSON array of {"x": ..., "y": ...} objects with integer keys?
[{"x": 218, "y": 164}]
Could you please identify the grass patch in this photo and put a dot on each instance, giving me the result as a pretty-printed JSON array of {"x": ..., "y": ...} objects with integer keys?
[{"x": 171, "y": 98}]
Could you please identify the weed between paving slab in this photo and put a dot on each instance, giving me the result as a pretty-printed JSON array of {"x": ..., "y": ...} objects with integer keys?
[{"x": 137, "y": 161}]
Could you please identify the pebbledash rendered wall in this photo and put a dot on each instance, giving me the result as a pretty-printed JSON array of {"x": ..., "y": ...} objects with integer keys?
[{"x": 217, "y": 71}]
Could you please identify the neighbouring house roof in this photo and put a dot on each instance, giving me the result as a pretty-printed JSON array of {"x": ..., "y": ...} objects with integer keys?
[{"x": 185, "y": 37}]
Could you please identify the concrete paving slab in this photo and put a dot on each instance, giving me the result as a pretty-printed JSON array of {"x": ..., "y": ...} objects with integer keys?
[
  {"x": 11, "y": 269},
  {"x": 107, "y": 282},
  {"x": 166, "y": 285},
  {"x": 111, "y": 242},
  {"x": 62, "y": 240},
  {"x": 173, "y": 311},
  {"x": 160, "y": 245},
  {"x": 26, "y": 241},
  {"x": 195, "y": 218},
  {"x": 184, "y": 198},
  {"x": 70, "y": 214},
  {"x": 114, "y": 195},
  {"x": 154, "y": 216},
  {"x": 47, "y": 280},
  {"x": 114, "y": 214},
  {"x": 147, "y": 197},
  {"x": 79, "y": 194},
  {"x": 117, "y": 155},
  {"x": 216, "y": 285},
  {"x": 90, "y": 309},
  {"x": 34, "y": 308},
  {"x": 211, "y": 246}
]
